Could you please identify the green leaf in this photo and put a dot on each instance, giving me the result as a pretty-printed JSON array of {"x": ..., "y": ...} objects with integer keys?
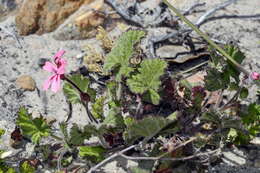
[
  {"x": 2, "y": 132},
  {"x": 216, "y": 80},
  {"x": 77, "y": 135},
  {"x": 154, "y": 97},
  {"x": 138, "y": 170},
  {"x": 233, "y": 86},
  {"x": 122, "y": 52},
  {"x": 244, "y": 93},
  {"x": 114, "y": 119},
  {"x": 95, "y": 153},
  {"x": 32, "y": 128},
  {"x": 63, "y": 129},
  {"x": 252, "y": 115},
  {"x": 83, "y": 83},
  {"x": 235, "y": 53},
  {"x": 211, "y": 117},
  {"x": 146, "y": 127},
  {"x": 97, "y": 108},
  {"x": 26, "y": 168},
  {"x": 148, "y": 79},
  {"x": 128, "y": 120},
  {"x": 238, "y": 56}
]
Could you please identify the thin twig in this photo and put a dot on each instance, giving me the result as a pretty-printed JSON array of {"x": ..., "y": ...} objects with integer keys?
[
  {"x": 170, "y": 159},
  {"x": 124, "y": 13},
  {"x": 192, "y": 68},
  {"x": 191, "y": 9},
  {"x": 256, "y": 16},
  {"x": 121, "y": 153},
  {"x": 214, "y": 10},
  {"x": 110, "y": 158}
]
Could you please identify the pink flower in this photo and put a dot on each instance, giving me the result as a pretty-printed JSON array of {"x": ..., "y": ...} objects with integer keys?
[
  {"x": 255, "y": 76},
  {"x": 58, "y": 70},
  {"x": 58, "y": 56}
]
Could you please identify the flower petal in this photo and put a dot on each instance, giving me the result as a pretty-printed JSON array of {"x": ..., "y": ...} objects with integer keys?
[
  {"x": 55, "y": 85},
  {"x": 50, "y": 67},
  {"x": 59, "y": 54},
  {"x": 255, "y": 76},
  {"x": 47, "y": 83}
]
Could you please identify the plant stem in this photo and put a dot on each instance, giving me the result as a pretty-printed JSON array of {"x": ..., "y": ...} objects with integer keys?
[
  {"x": 56, "y": 137},
  {"x": 83, "y": 98},
  {"x": 73, "y": 84},
  {"x": 206, "y": 37}
]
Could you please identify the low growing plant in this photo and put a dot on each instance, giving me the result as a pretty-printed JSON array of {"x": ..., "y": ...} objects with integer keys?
[{"x": 141, "y": 109}]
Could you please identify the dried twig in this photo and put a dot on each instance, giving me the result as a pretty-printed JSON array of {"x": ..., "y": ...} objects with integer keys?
[
  {"x": 111, "y": 158},
  {"x": 255, "y": 16},
  {"x": 121, "y": 154},
  {"x": 214, "y": 10},
  {"x": 124, "y": 13},
  {"x": 191, "y": 9},
  {"x": 171, "y": 159}
]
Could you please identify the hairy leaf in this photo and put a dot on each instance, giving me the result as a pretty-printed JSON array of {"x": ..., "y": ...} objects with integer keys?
[
  {"x": 122, "y": 52},
  {"x": 148, "y": 79},
  {"x": 32, "y": 128},
  {"x": 97, "y": 108},
  {"x": 93, "y": 152},
  {"x": 83, "y": 83},
  {"x": 146, "y": 127},
  {"x": 63, "y": 128},
  {"x": 25, "y": 167},
  {"x": 77, "y": 135},
  {"x": 114, "y": 119},
  {"x": 216, "y": 80}
]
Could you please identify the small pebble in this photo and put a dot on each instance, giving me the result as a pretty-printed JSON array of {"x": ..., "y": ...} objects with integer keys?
[{"x": 26, "y": 82}]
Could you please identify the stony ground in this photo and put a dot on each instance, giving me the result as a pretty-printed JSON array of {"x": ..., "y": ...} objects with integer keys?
[{"x": 24, "y": 55}]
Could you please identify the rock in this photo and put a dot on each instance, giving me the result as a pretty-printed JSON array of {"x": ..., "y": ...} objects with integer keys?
[
  {"x": 83, "y": 23},
  {"x": 257, "y": 163},
  {"x": 41, "y": 16},
  {"x": 255, "y": 141},
  {"x": 26, "y": 82},
  {"x": 234, "y": 157}
]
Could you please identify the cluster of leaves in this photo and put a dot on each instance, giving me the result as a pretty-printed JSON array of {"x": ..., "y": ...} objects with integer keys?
[
  {"x": 224, "y": 76},
  {"x": 162, "y": 113}
]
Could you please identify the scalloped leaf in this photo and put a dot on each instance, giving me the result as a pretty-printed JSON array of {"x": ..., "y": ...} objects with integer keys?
[
  {"x": 83, "y": 83},
  {"x": 122, "y": 52},
  {"x": 94, "y": 153},
  {"x": 77, "y": 135},
  {"x": 114, "y": 119},
  {"x": 35, "y": 128},
  {"x": 148, "y": 79},
  {"x": 216, "y": 80},
  {"x": 146, "y": 127},
  {"x": 97, "y": 108}
]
